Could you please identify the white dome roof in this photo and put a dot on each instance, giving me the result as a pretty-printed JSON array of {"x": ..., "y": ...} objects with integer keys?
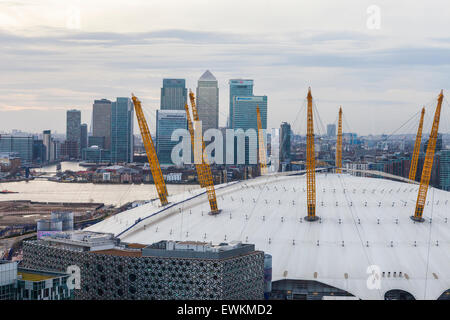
[{"x": 364, "y": 222}]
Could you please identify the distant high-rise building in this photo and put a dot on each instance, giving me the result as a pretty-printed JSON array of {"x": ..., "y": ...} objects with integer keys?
[
  {"x": 238, "y": 87},
  {"x": 55, "y": 150},
  {"x": 84, "y": 136},
  {"x": 122, "y": 140},
  {"x": 69, "y": 149},
  {"x": 73, "y": 129},
  {"x": 208, "y": 101},
  {"x": 168, "y": 121},
  {"x": 331, "y": 130},
  {"x": 244, "y": 117},
  {"x": 173, "y": 94},
  {"x": 285, "y": 142},
  {"x": 39, "y": 150},
  {"x": 244, "y": 112},
  {"x": 22, "y": 146},
  {"x": 96, "y": 141},
  {"x": 444, "y": 170},
  {"x": 101, "y": 120},
  {"x": 47, "y": 140}
]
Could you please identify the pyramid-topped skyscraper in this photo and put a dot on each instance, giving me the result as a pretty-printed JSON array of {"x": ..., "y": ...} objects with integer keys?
[{"x": 208, "y": 101}]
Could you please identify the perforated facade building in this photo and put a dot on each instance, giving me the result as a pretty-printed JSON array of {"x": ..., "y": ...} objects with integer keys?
[{"x": 113, "y": 271}]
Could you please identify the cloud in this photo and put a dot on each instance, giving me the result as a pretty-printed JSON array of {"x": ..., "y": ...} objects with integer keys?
[{"x": 57, "y": 69}]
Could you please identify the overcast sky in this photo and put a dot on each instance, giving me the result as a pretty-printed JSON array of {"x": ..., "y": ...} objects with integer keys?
[{"x": 52, "y": 59}]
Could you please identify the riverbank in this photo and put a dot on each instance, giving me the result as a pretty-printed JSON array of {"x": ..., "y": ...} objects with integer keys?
[{"x": 109, "y": 194}]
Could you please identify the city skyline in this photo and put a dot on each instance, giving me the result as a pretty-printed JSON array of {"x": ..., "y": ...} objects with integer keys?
[
  {"x": 280, "y": 151},
  {"x": 370, "y": 72}
]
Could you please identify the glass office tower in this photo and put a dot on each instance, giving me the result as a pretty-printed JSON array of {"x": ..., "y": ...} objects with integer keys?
[
  {"x": 238, "y": 87},
  {"x": 244, "y": 112},
  {"x": 444, "y": 170},
  {"x": 101, "y": 121},
  {"x": 23, "y": 146},
  {"x": 173, "y": 94},
  {"x": 285, "y": 142},
  {"x": 122, "y": 139},
  {"x": 84, "y": 136},
  {"x": 244, "y": 117},
  {"x": 73, "y": 130},
  {"x": 166, "y": 122}
]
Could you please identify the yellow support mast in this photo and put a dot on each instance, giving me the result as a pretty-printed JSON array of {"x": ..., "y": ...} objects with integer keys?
[
  {"x": 198, "y": 166},
  {"x": 428, "y": 164},
  {"x": 151, "y": 153},
  {"x": 197, "y": 151},
  {"x": 205, "y": 169},
  {"x": 415, "y": 157},
  {"x": 310, "y": 164},
  {"x": 339, "y": 144},
  {"x": 262, "y": 147}
]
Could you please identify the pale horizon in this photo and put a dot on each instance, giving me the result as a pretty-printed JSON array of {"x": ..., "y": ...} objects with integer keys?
[{"x": 60, "y": 55}]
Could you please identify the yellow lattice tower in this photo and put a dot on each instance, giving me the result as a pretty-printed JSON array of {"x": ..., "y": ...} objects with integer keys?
[
  {"x": 339, "y": 144},
  {"x": 415, "y": 157},
  {"x": 151, "y": 153},
  {"x": 262, "y": 146},
  {"x": 198, "y": 165},
  {"x": 428, "y": 164},
  {"x": 205, "y": 169},
  {"x": 310, "y": 163}
]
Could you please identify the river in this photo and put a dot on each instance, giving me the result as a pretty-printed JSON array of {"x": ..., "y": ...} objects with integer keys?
[{"x": 109, "y": 194}]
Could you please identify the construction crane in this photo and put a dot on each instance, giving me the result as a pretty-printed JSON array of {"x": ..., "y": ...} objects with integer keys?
[
  {"x": 428, "y": 164},
  {"x": 310, "y": 164},
  {"x": 205, "y": 169},
  {"x": 262, "y": 147},
  {"x": 339, "y": 144},
  {"x": 151, "y": 153},
  {"x": 415, "y": 157}
]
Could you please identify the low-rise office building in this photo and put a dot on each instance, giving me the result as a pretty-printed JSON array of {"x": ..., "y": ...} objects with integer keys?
[
  {"x": 164, "y": 270},
  {"x": 18, "y": 283}
]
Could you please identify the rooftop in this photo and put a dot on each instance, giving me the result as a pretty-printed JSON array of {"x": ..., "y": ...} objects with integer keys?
[
  {"x": 82, "y": 240},
  {"x": 37, "y": 275},
  {"x": 197, "y": 249},
  {"x": 120, "y": 252},
  {"x": 207, "y": 76}
]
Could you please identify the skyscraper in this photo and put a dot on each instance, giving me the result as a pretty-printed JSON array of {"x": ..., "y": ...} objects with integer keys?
[
  {"x": 208, "y": 101},
  {"x": 173, "y": 94},
  {"x": 101, "y": 120},
  {"x": 168, "y": 121},
  {"x": 244, "y": 112},
  {"x": 122, "y": 139},
  {"x": 238, "y": 87},
  {"x": 444, "y": 170},
  {"x": 244, "y": 117},
  {"x": 172, "y": 116},
  {"x": 331, "y": 130},
  {"x": 73, "y": 130},
  {"x": 285, "y": 142},
  {"x": 84, "y": 136},
  {"x": 38, "y": 150},
  {"x": 47, "y": 140}
]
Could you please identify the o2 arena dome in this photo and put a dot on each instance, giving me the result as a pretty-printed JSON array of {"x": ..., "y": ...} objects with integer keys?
[{"x": 364, "y": 242}]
